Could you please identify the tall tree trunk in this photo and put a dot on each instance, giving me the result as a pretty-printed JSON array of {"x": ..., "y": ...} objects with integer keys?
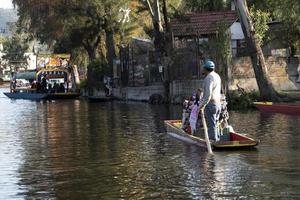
[
  {"x": 168, "y": 48},
  {"x": 109, "y": 37},
  {"x": 157, "y": 24},
  {"x": 167, "y": 51},
  {"x": 92, "y": 51},
  {"x": 160, "y": 40},
  {"x": 168, "y": 33},
  {"x": 110, "y": 46},
  {"x": 266, "y": 89},
  {"x": 92, "y": 56}
]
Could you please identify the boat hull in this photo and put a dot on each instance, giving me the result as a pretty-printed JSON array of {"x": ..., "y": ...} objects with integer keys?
[
  {"x": 25, "y": 95},
  {"x": 284, "y": 108},
  {"x": 41, "y": 96},
  {"x": 237, "y": 141},
  {"x": 54, "y": 96},
  {"x": 100, "y": 99}
]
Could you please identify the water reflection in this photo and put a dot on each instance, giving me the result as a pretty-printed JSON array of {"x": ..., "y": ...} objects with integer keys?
[{"x": 119, "y": 150}]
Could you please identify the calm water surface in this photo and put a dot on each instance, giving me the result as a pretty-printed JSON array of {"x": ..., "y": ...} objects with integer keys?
[{"x": 81, "y": 150}]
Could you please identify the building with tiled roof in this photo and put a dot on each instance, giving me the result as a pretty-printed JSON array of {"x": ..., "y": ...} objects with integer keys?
[{"x": 206, "y": 23}]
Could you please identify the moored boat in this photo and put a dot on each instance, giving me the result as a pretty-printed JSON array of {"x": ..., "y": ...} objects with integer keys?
[
  {"x": 101, "y": 98},
  {"x": 285, "y": 108},
  {"x": 236, "y": 140}
]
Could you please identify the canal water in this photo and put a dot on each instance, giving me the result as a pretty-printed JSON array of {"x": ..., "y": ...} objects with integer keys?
[{"x": 120, "y": 150}]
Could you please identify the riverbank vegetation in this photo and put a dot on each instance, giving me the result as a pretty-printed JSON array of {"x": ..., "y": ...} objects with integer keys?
[
  {"x": 94, "y": 30},
  {"x": 242, "y": 101}
]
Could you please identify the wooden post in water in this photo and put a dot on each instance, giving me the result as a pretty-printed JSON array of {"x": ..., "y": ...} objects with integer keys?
[{"x": 206, "y": 132}]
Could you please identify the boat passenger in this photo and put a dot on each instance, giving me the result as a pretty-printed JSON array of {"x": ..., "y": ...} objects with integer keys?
[
  {"x": 14, "y": 85},
  {"x": 33, "y": 85},
  {"x": 44, "y": 84},
  {"x": 187, "y": 107},
  {"x": 194, "y": 117},
  {"x": 13, "y": 82},
  {"x": 50, "y": 89},
  {"x": 195, "y": 111},
  {"x": 61, "y": 88},
  {"x": 211, "y": 100},
  {"x": 56, "y": 87},
  {"x": 38, "y": 87}
]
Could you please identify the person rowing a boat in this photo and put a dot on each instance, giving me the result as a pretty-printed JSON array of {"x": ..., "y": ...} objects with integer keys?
[{"x": 211, "y": 100}]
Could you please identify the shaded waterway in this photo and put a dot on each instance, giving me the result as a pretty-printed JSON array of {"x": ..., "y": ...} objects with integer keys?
[{"x": 118, "y": 150}]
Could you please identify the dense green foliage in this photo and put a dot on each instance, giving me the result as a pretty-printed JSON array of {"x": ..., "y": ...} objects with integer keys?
[
  {"x": 14, "y": 49},
  {"x": 260, "y": 21},
  {"x": 99, "y": 68},
  {"x": 286, "y": 12},
  {"x": 242, "y": 101},
  {"x": 205, "y": 5}
]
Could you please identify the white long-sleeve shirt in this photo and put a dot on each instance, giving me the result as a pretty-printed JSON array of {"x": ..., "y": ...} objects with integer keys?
[{"x": 211, "y": 89}]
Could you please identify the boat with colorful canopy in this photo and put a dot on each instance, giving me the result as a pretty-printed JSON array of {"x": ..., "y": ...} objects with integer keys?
[{"x": 53, "y": 79}]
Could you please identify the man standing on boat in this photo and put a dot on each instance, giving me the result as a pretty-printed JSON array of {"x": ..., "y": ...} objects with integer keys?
[{"x": 211, "y": 99}]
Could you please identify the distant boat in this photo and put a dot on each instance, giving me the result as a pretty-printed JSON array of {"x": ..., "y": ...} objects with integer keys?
[
  {"x": 54, "y": 86},
  {"x": 285, "y": 108},
  {"x": 236, "y": 141}
]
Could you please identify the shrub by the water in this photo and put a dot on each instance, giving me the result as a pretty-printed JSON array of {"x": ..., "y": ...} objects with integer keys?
[
  {"x": 242, "y": 101},
  {"x": 99, "y": 68}
]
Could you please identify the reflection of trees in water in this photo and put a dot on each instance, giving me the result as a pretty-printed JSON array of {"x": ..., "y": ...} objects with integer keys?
[
  {"x": 80, "y": 150},
  {"x": 35, "y": 177},
  {"x": 275, "y": 160}
]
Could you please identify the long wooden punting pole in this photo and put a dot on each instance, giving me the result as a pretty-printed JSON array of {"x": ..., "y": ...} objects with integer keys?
[{"x": 206, "y": 132}]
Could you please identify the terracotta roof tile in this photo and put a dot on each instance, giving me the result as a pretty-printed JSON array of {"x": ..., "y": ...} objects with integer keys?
[{"x": 201, "y": 23}]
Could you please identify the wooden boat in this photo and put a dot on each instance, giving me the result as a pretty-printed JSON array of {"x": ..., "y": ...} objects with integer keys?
[
  {"x": 237, "y": 141},
  {"x": 26, "y": 95},
  {"x": 285, "y": 108},
  {"x": 33, "y": 95},
  {"x": 40, "y": 96}
]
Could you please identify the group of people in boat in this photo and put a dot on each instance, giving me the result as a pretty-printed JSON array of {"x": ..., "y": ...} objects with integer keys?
[
  {"x": 43, "y": 86},
  {"x": 47, "y": 87},
  {"x": 210, "y": 101}
]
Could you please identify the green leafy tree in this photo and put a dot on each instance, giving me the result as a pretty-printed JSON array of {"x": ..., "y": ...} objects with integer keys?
[
  {"x": 286, "y": 12},
  {"x": 260, "y": 20},
  {"x": 74, "y": 24},
  {"x": 204, "y": 5},
  {"x": 14, "y": 49}
]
